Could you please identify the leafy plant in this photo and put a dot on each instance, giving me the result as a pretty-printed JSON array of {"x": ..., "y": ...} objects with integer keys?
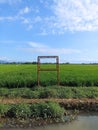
[
  {"x": 47, "y": 110},
  {"x": 49, "y": 93},
  {"x": 4, "y": 109},
  {"x": 23, "y": 111}
]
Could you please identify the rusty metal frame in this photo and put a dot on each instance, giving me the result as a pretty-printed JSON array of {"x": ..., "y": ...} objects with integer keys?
[{"x": 48, "y": 69}]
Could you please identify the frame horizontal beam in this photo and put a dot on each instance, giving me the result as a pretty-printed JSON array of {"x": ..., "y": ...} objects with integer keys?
[
  {"x": 39, "y": 69},
  {"x": 47, "y": 69},
  {"x": 47, "y": 56}
]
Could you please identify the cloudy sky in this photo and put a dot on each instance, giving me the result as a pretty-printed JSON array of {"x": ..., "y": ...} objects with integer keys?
[{"x": 66, "y": 28}]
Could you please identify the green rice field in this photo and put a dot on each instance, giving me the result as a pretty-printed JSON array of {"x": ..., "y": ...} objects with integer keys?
[{"x": 25, "y": 75}]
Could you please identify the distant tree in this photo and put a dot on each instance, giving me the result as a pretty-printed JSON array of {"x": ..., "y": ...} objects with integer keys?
[{"x": 67, "y": 63}]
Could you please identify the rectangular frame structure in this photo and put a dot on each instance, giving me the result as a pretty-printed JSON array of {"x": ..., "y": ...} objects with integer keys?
[{"x": 48, "y": 69}]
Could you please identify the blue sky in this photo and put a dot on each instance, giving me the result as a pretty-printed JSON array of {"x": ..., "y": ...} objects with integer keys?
[{"x": 66, "y": 28}]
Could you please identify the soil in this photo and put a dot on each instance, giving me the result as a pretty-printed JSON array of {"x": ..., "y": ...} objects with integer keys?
[
  {"x": 65, "y": 101},
  {"x": 70, "y": 104},
  {"x": 85, "y": 104}
]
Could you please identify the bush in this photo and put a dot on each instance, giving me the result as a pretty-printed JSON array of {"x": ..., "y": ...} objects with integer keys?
[
  {"x": 20, "y": 111},
  {"x": 23, "y": 111},
  {"x": 4, "y": 109},
  {"x": 37, "y": 110},
  {"x": 4, "y": 91},
  {"x": 55, "y": 110},
  {"x": 48, "y": 93},
  {"x": 47, "y": 110},
  {"x": 12, "y": 111},
  {"x": 31, "y": 94},
  {"x": 65, "y": 92}
]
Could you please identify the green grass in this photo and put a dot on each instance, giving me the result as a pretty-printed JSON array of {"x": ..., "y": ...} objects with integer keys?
[
  {"x": 22, "y": 75},
  {"x": 50, "y": 92},
  {"x": 37, "y": 110}
]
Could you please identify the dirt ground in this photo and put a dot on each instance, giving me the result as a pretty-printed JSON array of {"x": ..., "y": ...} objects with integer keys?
[{"x": 65, "y": 101}]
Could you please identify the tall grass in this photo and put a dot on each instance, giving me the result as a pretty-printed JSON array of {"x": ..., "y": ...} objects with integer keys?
[
  {"x": 50, "y": 92},
  {"x": 37, "y": 110},
  {"x": 17, "y": 76}
]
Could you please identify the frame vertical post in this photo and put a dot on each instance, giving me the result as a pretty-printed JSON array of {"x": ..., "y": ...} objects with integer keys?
[
  {"x": 38, "y": 71},
  {"x": 58, "y": 75},
  {"x": 49, "y": 69}
]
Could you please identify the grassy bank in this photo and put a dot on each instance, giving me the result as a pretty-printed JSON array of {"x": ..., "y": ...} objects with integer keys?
[
  {"x": 37, "y": 110},
  {"x": 20, "y": 81},
  {"x": 19, "y": 75},
  {"x": 50, "y": 92},
  {"x": 30, "y": 115}
]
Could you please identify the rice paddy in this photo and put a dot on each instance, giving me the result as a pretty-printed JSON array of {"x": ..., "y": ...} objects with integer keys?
[{"x": 25, "y": 75}]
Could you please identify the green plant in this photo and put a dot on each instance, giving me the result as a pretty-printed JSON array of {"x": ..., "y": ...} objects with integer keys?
[
  {"x": 4, "y": 91},
  {"x": 24, "y": 75},
  {"x": 23, "y": 111},
  {"x": 4, "y": 109},
  {"x": 65, "y": 92},
  {"x": 31, "y": 94},
  {"x": 20, "y": 111},
  {"x": 47, "y": 110},
  {"x": 48, "y": 93},
  {"x": 54, "y": 110}
]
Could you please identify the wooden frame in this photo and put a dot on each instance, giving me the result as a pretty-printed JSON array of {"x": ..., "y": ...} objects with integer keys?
[{"x": 48, "y": 69}]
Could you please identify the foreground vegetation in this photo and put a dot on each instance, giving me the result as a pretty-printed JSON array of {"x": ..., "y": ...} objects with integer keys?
[
  {"x": 40, "y": 110},
  {"x": 30, "y": 115},
  {"x": 20, "y": 75},
  {"x": 20, "y": 81},
  {"x": 50, "y": 92}
]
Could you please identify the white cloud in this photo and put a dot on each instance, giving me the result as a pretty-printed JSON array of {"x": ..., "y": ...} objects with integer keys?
[
  {"x": 37, "y": 45},
  {"x": 25, "y": 10},
  {"x": 25, "y": 20},
  {"x": 41, "y": 48},
  {"x": 7, "y": 41},
  {"x": 76, "y": 15},
  {"x": 10, "y": 1},
  {"x": 29, "y": 27},
  {"x": 25, "y": 16},
  {"x": 4, "y": 58},
  {"x": 37, "y": 19},
  {"x": 19, "y": 16},
  {"x": 8, "y": 18},
  {"x": 62, "y": 16}
]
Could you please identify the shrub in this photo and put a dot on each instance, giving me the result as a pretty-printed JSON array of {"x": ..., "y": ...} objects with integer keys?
[
  {"x": 43, "y": 110},
  {"x": 23, "y": 111},
  {"x": 4, "y": 109},
  {"x": 31, "y": 94},
  {"x": 65, "y": 92},
  {"x": 47, "y": 110},
  {"x": 48, "y": 93},
  {"x": 55, "y": 110},
  {"x": 20, "y": 111},
  {"x": 12, "y": 111},
  {"x": 35, "y": 110},
  {"x": 4, "y": 91}
]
